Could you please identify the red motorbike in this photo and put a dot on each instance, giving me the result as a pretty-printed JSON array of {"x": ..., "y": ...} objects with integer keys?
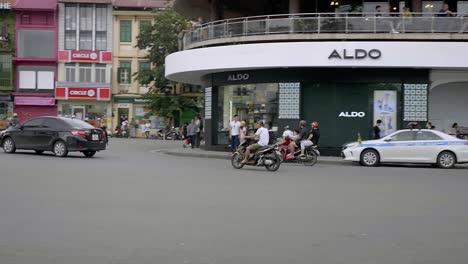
[{"x": 311, "y": 155}]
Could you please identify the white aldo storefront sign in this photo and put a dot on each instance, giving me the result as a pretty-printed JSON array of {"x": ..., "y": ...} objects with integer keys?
[{"x": 352, "y": 114}]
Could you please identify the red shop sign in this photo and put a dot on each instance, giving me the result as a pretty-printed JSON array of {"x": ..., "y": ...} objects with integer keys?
[
  {"x": 85, "y": 56},
  {"x": 77, "y": 93}
]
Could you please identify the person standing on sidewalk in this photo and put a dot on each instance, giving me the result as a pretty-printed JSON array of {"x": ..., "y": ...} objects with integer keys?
[
  {"x": 234, "y": 131},
  {"x": 133, "y": 127},
  {"x": 198, "y": 123},
  {"x": 192, "y": 132}
]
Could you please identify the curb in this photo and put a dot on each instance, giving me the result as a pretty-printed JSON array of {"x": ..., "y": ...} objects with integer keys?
[{"x": 325, "y": 159}]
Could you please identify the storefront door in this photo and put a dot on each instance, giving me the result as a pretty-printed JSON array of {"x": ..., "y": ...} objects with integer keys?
[{"x": 79, "y": 112}]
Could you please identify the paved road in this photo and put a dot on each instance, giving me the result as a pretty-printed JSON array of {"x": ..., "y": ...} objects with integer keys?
[{"x": 129, "y": 205}]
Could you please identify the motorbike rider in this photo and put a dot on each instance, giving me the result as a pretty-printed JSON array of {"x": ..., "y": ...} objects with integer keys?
[
  {"x": 288, "y": 136},
  {"x": 313, "y": 139},
  {"x": 14, "y": 121},
  {"x": 303, "y": 134},
  {"x": 263, "y": 139}
]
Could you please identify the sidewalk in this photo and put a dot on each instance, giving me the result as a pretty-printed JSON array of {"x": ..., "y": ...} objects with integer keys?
[{"x": 199, "y": 153}]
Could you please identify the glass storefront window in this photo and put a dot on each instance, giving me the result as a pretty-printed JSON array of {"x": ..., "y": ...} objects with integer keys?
[
  {"x": 251, "y": 102},
  {"x": 89, "y": 113}
]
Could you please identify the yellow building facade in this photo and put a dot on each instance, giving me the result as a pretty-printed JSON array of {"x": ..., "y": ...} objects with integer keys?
[{"x": 127, "y": 60}]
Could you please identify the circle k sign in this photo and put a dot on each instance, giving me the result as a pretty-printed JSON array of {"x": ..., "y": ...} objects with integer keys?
[{"x": 82, "y": 93}]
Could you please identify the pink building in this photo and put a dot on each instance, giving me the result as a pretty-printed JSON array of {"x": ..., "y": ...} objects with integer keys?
[{"x": 36, "y": 37}]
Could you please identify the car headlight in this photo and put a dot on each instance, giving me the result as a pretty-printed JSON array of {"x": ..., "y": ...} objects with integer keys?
[{"x": 350, "y": 145}]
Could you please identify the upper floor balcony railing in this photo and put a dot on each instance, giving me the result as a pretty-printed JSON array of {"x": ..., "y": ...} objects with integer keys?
[{"x": 325, "y": 23}]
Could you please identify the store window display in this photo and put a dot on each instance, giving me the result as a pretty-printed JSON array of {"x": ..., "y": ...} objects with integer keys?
[
  {"x": 95, "y": 114},
  {"x": 251, "y": 102}
]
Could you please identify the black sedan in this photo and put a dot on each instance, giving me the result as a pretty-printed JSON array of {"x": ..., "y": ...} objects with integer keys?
[{"x": 57, "y": 134}]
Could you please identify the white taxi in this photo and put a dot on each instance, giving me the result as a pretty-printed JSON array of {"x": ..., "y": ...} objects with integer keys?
[{"x": 409, "y": 146}]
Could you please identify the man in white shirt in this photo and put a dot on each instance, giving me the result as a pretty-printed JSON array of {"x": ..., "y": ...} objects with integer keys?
[
  {"x": 263, "y": 139},
  {"x": 234, "y": 130}
]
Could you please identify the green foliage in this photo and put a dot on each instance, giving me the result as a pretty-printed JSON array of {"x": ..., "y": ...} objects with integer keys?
[
  {"x": 167, "y": 105},
  {"x": 160, "y": 39}
]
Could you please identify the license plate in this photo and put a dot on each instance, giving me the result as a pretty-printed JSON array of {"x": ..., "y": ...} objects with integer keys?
[{"x": 95, "y": 137}]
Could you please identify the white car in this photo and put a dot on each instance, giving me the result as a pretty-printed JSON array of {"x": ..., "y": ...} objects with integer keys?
[{"x": 409, "y": 146}]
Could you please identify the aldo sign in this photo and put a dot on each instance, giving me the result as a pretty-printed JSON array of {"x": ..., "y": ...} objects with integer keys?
[
  {"x": 238, "y": 77},
  {"x": 352, "y": 114},
  {"x": 356, "y": 54}
]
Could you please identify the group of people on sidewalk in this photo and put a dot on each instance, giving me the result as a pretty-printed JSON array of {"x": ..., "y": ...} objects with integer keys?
[{"x": 192, "y": 132}]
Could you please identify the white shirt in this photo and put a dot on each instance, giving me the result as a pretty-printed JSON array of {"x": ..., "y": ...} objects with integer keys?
[
  {"x": 289, "y": 134},
  {"x": 264, "y": 136},
  {"x": 235, "y": 128},
  {"x": 147, "y": 127}
]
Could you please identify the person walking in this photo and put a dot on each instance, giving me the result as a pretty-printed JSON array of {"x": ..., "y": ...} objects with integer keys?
[
  {"x": 198, "y": 123},
  {"x": 147, "y": 127},
  {"x": 184, "y": 135},
  {"x": 133, "y": 128},
  {"x": 376, "y": 130},
  {"x": 192, "y": 132},
  {"x": 243, "y": 131},
  {"x": 234, "y": 131}
]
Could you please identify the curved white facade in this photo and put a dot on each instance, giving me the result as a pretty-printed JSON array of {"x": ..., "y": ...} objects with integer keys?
[{"x": 190, "y": 65}]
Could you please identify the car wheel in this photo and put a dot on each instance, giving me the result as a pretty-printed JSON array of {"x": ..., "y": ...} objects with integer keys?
[
  {"x": 9, "y": 145},
  {"x": 60, "y": 149},
  {"x": 39, "y": 151},
  {"x": 446, "y": 160},
  {"x": 89, "y": 154},
  {"x": 370, "y": 158}
]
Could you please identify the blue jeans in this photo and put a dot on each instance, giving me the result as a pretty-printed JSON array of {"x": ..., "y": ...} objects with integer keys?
[
  {"x": 193, "y": 139},
  {"x": 234, "y": 143}
]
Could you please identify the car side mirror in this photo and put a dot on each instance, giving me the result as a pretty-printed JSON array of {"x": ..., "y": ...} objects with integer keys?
[{"x": 387, "y": 139}]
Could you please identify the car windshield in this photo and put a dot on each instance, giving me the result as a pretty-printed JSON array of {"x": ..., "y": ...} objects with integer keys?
[{"x": 78, "y": 124}]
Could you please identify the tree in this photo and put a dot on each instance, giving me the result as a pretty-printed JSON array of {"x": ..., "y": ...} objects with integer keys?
[{"x": 161, "y": 39}]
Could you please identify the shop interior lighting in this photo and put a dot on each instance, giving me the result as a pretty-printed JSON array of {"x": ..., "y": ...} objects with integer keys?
[{"x": 335, "y": 3}]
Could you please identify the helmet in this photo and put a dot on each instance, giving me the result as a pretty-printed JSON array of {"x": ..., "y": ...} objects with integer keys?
[
  {"x": 315, "y": 124},
  {"x": 302, "y": 123},
  {"x": 15, "y": 115}
]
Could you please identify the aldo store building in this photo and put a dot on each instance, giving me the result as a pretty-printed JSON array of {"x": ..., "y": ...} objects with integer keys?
[{"x": 345, "y": 86}]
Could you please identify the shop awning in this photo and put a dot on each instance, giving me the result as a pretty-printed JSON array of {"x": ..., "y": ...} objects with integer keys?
[
  {"x": 29, "y": 100},
  {"x": 45, "y": 5}
]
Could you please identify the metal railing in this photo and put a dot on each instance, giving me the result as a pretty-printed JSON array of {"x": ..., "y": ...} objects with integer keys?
[{"x": 320, "y": 23}]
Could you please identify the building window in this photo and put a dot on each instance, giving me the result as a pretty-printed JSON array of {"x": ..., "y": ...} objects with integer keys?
[
  {"x": 70, "y": 72},
  {"x": 252, "y": 102},
  {"x": 85, "y": 72},
  {"x": 86, "y": 27},
  {"x": 70, "y": 26},
  {"x": 192, "y": 89},
  {"x": 143, "y": 24},
  {"x": 40, "y": 78},
  {"x": 25, "y": 19},
  {"x": 144, "y": 66},
  {"x": 5, "y": 72},
  {"x": 125, "y": 72},
  {"x": 36, "y": 44},
  {"x": 86, "y": 40},
  {"x": 100, "y": 73},
  {"x": 101, "y": 27},
  {"x": 125, "y": 31}
]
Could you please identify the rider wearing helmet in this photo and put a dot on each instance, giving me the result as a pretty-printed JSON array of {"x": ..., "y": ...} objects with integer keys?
[
  {"x": 303, "y": 134},
  {"x": 14, "y": 121},
  {"x": 313, "y": 138}
]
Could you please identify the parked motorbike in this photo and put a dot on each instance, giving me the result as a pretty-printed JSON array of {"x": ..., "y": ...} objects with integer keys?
[
  {"x": 267, "y": 156},
  {"x": 311, "y": 155}
]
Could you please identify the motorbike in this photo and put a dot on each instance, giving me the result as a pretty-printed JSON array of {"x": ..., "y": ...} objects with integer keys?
[
  {"x": 311, "y": 155},
  {"x": 267, "y": 156}
]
